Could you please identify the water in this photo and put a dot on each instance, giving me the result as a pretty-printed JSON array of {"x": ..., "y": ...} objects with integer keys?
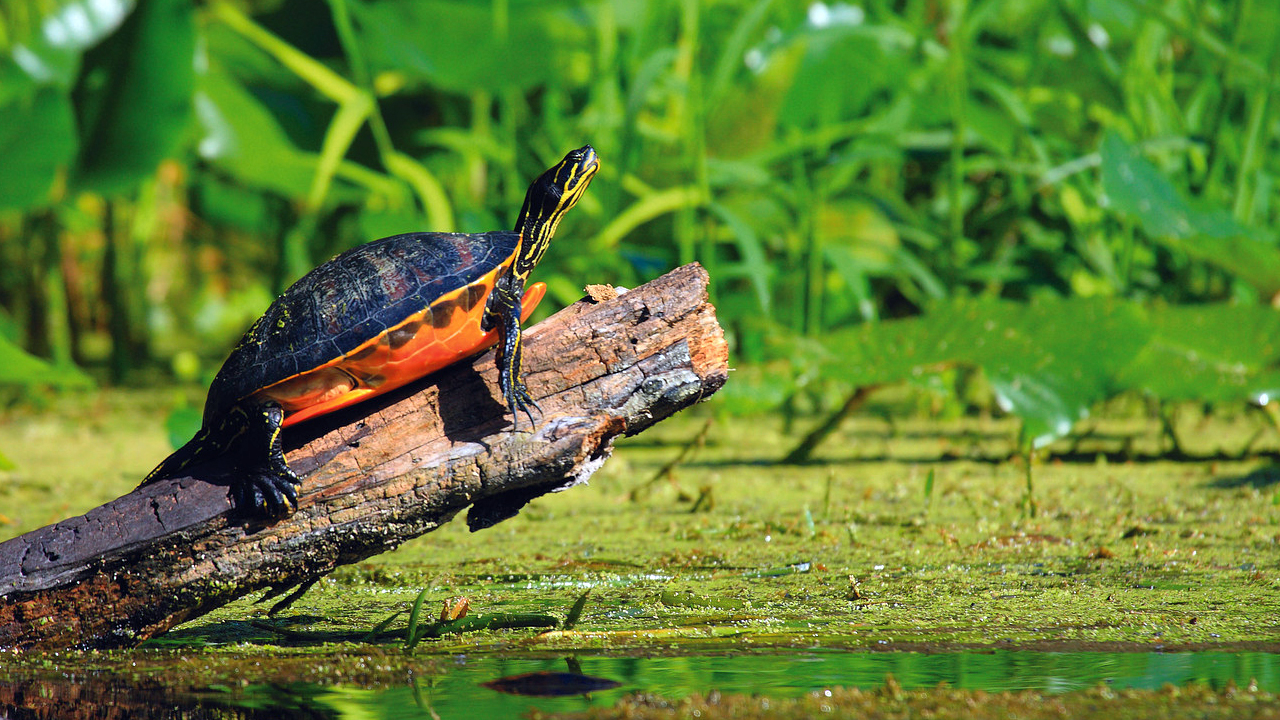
[{"x": 454, "y": 687}]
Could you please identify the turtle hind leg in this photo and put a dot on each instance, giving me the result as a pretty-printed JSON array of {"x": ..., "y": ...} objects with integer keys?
[{"x": 268, "y": 486}]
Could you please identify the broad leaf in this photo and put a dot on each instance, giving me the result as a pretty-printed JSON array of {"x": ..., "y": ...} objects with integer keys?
[
  {"x": 1048, "y": 362},
  {"x": 48, "y": 51},
  {"x": 1135, "y": 187},
  {"x": 845, "y": 64},
  {"x": 20, "y": 368},
  {"x": 240, "y": 136},
  {"x": 37, "y": 139},
  {"x": 135, "y": 95},
  {"x": 467, "y": 46},
  {"x": 1210, "y": 353}
]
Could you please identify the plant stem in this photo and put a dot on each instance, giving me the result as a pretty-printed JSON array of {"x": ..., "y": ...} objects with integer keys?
[
  {"x": 1255, "y": 140},
  {"x": 805, "y": 449},
  {"x": 1028, "y": 456},
  {"x": 959, "y": 97}
]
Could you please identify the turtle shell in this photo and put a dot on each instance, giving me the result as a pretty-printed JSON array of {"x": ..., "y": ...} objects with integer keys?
[{"x": 373, "y": 318}]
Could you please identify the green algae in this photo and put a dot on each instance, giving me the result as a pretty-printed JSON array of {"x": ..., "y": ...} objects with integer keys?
[
  {"x": 841, "y": 554},
  {"x": 900, "y": 536},
  {"x": 849, "y": 551}
]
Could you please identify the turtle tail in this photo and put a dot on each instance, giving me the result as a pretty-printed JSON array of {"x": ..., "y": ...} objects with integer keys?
[{"x": 194, "y": 451}]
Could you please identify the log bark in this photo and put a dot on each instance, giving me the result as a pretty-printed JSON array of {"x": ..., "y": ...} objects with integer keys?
[{"x": 374, "y": 475}]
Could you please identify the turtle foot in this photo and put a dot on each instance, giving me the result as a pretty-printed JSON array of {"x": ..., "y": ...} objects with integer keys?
[
  {"x": 266, "y": 492},
  {"x": 519, "y": 400}
]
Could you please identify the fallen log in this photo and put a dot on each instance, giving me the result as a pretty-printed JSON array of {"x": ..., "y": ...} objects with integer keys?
[{"x": 374, "y": 475}]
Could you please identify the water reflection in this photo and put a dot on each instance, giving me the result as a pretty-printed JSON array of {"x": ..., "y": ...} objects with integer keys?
[
  {"x": 465, "y": 688},
  {"x": 550, "y": 684}
]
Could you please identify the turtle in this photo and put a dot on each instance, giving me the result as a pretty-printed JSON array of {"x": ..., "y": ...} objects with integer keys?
[{"x": 370, "y": 320}]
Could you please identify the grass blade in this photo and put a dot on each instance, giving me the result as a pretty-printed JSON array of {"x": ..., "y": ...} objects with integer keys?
[
  {"x": 575, "y": 612},
  {"x": 412, "y": 637}
]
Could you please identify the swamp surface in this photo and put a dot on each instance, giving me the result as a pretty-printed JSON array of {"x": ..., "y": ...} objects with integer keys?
[{"x": 899, "y": 573}]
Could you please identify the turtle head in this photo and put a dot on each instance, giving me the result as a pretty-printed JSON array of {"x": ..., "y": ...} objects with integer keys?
[{"x": 548, "y": 199}]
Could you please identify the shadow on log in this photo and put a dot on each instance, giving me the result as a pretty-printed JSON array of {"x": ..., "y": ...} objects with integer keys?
[{"x": 374, "y": 475}]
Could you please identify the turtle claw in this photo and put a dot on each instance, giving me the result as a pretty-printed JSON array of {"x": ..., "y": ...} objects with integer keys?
[
  {"x": 519, "y": 400},
  {"x": 529, "y": 407},
  {"x": 273, "y": 493}
]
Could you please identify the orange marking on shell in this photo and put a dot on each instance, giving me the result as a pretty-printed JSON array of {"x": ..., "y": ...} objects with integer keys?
[{"x": 381, "y": 365}]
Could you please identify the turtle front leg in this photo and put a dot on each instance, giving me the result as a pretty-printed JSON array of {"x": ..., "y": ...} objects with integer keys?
[
  {"x": 266, "y": 485},
  {"x": 503, "y": 312}
]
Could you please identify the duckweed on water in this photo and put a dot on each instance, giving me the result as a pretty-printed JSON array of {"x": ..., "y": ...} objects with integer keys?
[{"x": 899, "y": 537}]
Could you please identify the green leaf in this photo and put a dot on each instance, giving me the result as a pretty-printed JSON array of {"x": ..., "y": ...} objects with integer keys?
[
  {"x": 754, "y": 263},
  {"x": 182, "y": 425},
  {"x": 1223, "y": 242},
  {"x": 32, "y": 159},
  {"x": 48, "y": 52},
  {"x": 854, "y": 271},
  {"x": 734, "y": 49},
  {"x": 17, "y": 367},
  {"x": 134, "y": 96},
  {"x": 468, "y": 46},
  {"x": 1211, "y": 353},
  {"x": 575, "y": 612},
  {"x": 240, "y": 136},
  {"x": 227, "y": 203},
  {"x": 412, "y": 636},
  {"x": 1048, "y": 362},
  {"x": 1135, "y": 187},
  {"x": 492, "y": 621},
  {"x": 872, "y": 57}
]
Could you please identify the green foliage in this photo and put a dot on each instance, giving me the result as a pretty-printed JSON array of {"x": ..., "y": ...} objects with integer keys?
[
  {"x": 45, "y": 40},
  {"x": 575, "y": 611},
  {"x": 32, "y": 160},
  {"x": 1211, "y": 353},
  {"x": 412, "y": 635},
  {"x": 928, "y": 491},
  {"x": 1137, "y": 189},
  {"x": 486, "y": 48},
  {"x": 133, "y": 97},
  {"x": 1068, "y": 173},
  {"x": 24, "y": 371},
  {"x": 102, "y": 89},
  {"x": 244, "y": 139},
  {"x": 1048, "y": 362},
  {"x": 182, "y": 424}
]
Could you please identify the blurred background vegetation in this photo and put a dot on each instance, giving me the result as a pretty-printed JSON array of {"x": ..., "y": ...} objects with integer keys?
[{"x": 1058, "y": 200}]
